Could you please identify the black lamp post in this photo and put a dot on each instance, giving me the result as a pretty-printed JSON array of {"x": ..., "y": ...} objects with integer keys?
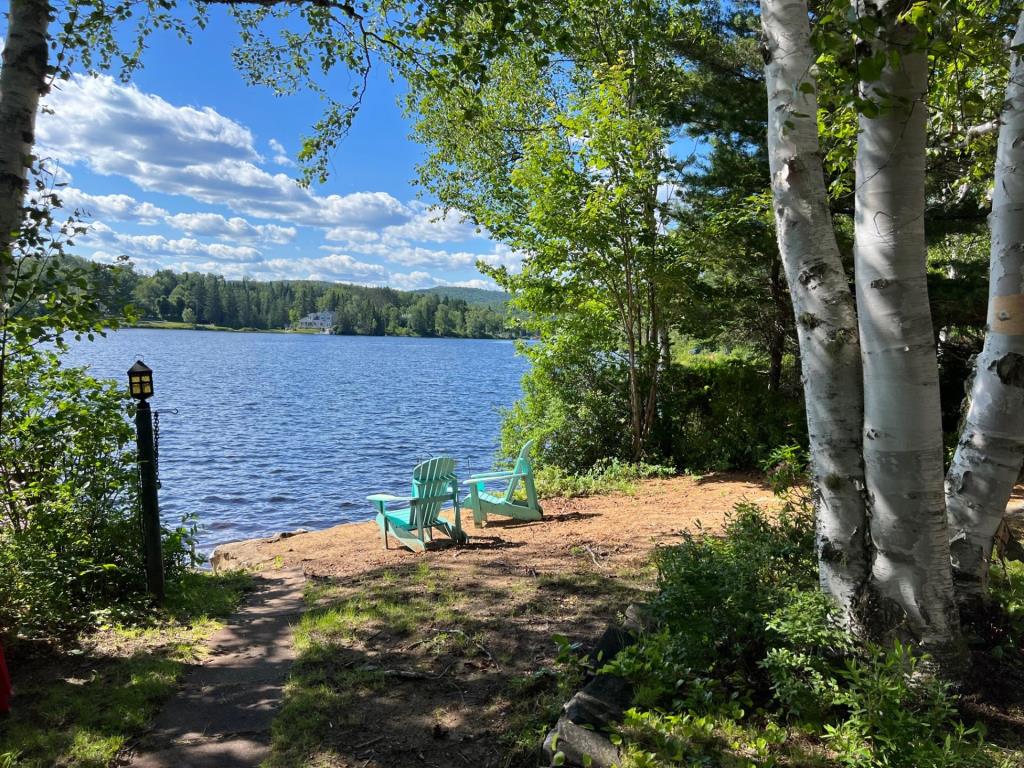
[{"x": 140, "y": 386}]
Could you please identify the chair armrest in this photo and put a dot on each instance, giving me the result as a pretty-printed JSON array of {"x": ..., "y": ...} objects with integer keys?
[
  {"x": 490, "y": 478},
  {"x": 387, "y": 497},
  {"x": 504, "y": 474}
]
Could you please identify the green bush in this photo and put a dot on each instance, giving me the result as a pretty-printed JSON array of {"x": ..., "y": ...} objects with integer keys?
[
  {"x": 604, "y": 477},
  {"x": 892, "y": 717},
  {"x": 575, "y": 411},
  {"x": 70, "y": 539},
  {"x": 715, "y": 413},
  {"x": 713, "y": 596},
  {"x": 747, "y": 649}
]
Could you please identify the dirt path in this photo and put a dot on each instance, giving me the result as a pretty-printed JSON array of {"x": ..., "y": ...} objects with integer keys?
[
  {"x": 447, "y": 658},
  {"x": 221, "y": 718}
]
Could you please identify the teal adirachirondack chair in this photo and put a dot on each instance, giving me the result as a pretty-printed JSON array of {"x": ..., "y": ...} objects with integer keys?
[
  {"x": 505, "y": 502},
  {"x": 433, "y": 484}
]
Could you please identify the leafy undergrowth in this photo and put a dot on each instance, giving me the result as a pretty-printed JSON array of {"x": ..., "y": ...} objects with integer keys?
[
  {"x": 605, "y": 477},
  {"x": 439, "y": 663},
  {"x": 77, "y": 707},
  {"x": 747, "y": 667}
]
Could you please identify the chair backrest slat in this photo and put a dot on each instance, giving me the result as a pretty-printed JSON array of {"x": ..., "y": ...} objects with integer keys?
[
  {"x": 432, "y": 478},
  {"x": 522, "y": 467}
]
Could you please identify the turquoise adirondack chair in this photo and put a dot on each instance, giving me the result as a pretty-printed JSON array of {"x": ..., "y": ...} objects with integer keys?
[
  {"x": 433, "y": 484},
  {"x": 505, "y": 503}
]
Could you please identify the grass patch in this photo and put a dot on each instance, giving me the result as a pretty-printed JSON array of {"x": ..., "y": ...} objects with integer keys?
[
  {"x": 605, "y": 477},
  {"x": 76, "y": 708},
  {"x": 455, "y": 663},
  {"x": 333, "y": 673}
]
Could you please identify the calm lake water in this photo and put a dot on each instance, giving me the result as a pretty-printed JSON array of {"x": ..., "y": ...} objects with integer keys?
[{"x": 281, "y": 431}]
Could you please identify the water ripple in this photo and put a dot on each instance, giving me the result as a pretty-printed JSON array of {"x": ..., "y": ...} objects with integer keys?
[{"x": 276, "y": 432}]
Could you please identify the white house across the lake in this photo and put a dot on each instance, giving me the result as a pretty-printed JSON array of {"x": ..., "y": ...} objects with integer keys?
[{"x": 321, "y": 321}]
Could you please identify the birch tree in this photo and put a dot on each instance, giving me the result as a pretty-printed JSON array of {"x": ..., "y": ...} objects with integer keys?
[
  {"x": 23, "y": 80},
  {"x": 826, "y": 319},
  {"x": 991, "y": 446},
  {"x": 903, "y": 452}
]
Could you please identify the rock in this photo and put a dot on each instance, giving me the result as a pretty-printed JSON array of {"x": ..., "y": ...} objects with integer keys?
[
  {"x": 638, "y": 618},
  {"x": 608, "y": 646},
  {"x": 286, "y": 535},
  {"x": 601, "y": 702},
  {"x": 575, "y": 742},
  {"x": 219, "y": 557}
]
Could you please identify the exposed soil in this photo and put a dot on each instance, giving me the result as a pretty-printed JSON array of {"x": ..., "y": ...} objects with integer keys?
[
  {"x": 449, "y": 655},
  {"x": 616, "y": 530},
  {"x": 447, "y": 658}
]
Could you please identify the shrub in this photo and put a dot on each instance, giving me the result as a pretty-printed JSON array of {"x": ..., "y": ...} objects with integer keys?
[
  {"x": 718, "y": 413},
  {"x": 575, "y": 411},
  {"x": 713, "y": 595},
  {"x": 70, "y": 540},
  {"x": 715, "y": 413},
  {"x": 604, "y": 477},
  {"x": 747, "y": 648},
  {"x": 895, "y": 718}
]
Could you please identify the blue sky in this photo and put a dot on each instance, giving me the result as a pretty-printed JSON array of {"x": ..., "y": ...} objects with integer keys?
[{"x": 187, "y": 167}]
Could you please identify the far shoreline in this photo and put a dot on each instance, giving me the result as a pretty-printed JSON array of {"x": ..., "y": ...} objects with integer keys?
[{"x": 171, "y": 325}]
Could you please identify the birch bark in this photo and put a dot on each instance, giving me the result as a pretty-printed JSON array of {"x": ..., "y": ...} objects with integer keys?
[
  {"x": 22, "y": 82},
  {"x": 989, "y": 454},
  {"x": 903, "y": 454},
  {"x": 826, "y": 318}
]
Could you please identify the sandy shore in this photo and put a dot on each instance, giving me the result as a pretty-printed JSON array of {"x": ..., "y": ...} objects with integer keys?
[{"x": 614, "y": 530}]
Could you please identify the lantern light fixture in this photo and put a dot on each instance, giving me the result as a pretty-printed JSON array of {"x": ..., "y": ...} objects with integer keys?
[{"x": 140, "y": 381}]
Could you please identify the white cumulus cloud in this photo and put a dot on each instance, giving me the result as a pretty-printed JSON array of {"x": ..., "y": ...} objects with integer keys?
[
  {"x": 280, "y": 156},
  {"x": 234, "y": 228}
]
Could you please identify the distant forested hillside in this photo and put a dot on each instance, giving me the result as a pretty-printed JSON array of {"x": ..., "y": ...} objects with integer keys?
[
  {"x": 210, "y": 299},
  {"x": 481, "y": 296}
]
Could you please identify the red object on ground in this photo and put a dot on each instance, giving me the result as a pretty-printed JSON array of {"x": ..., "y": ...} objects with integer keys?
[{"x": 5, "y": 685}]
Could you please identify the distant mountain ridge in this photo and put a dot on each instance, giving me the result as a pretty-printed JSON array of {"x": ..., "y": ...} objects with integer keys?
[{"x": 472, "y": 296}]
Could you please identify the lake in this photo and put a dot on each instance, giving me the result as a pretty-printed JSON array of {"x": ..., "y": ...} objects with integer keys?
[{"x": 281, "y": 431}]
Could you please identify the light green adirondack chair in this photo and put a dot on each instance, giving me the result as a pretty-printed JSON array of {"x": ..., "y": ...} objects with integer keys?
[
  {"x": 505, "y": 503},
  {"x": 433, "y": 484}
]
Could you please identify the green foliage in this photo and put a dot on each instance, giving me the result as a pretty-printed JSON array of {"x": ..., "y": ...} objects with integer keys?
[
  {"x": 605, "y": 476},
  {"x": 65, "y": 717},
  {"x": 716, "y": 411},
  {"x": 70, "y": 545},
  {"x": 748, "y": 665},
  {"x": 714, "y": 594},
  {"x": 719, "y": 412},
  {"x": 573, "y": 407},
  {"x": 896, "y": 718},
  {"x": 805, "y": 643}
]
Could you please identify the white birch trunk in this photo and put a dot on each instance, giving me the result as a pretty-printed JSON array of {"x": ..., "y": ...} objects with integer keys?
[
  {"x": 826, "y": 319},
  {"x": 988, "y": 457},
  {"x": 22, "y": 82},
  {"x": 903, "y": 453}
]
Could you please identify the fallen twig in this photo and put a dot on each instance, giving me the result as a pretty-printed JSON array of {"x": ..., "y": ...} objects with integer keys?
[
  {"x": 410, "y": 674},
  {"x": 592, "y": 555},
  {"x": 366, "y": 744}
]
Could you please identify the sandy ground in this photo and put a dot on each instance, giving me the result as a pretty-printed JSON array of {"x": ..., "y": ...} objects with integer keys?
[
  {"x": 617, "y": 530},
  {"x": 471, "y": 673},
  {"x": 472, "y": 666}
]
